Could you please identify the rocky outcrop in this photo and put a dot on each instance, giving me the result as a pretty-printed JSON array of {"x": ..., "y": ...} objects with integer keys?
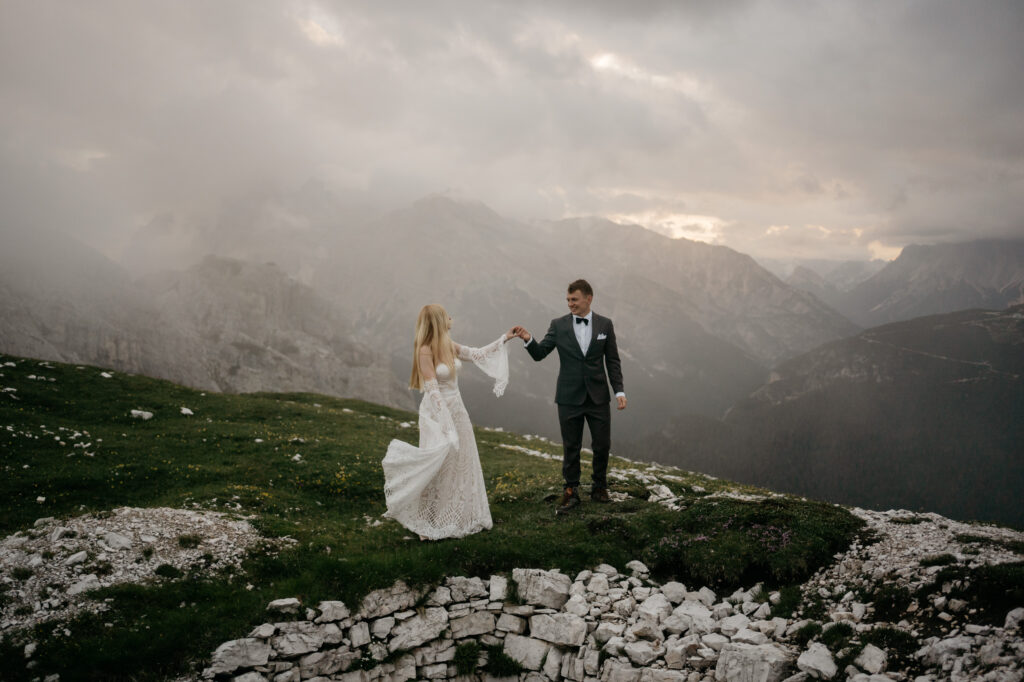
[
  {"x": 600, "y": 626},
  {"x": 62, "y": 559}
]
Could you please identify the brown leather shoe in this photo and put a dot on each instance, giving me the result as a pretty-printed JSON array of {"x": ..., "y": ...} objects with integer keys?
[
  {"x": 600, "y": 495},
  {"x": 570, "y": 500}
]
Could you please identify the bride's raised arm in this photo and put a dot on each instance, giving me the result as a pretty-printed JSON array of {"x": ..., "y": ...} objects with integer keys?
[{"x": 492, "y": 359}]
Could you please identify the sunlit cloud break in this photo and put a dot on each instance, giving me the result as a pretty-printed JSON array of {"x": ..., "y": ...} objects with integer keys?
[{"x": 701, "y": 228}]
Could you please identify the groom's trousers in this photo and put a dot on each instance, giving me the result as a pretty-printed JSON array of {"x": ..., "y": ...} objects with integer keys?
[{"x": 571, "y": 418}]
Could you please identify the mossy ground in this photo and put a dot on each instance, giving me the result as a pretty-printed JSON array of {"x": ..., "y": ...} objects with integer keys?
[{"x": 235, "y": 454}]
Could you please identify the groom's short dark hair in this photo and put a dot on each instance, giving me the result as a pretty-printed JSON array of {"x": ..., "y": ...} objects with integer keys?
[{"x": 582, "y": 286}]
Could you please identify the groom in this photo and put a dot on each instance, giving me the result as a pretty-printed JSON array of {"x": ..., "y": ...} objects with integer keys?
[{"x": 586, "y": 346}]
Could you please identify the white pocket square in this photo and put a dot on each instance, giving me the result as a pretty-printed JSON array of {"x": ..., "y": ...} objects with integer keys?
[{"x": 602, "y": 336}]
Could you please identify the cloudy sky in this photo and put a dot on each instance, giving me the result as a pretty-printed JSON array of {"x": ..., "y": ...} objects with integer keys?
[{"x": 833, "y": 129}]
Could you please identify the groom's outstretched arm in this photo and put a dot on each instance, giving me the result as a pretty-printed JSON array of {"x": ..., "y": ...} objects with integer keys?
[{"x": 539, "y": 350}]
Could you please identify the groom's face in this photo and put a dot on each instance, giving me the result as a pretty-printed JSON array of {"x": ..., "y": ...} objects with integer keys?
[{"x": 578, "y": 303}]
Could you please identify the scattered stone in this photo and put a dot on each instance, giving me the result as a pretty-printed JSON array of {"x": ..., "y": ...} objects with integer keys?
[
  {"x": 817, "y": 662},
  {"x": 871, "y": 659},
  {"x": 290, "y": 606}
]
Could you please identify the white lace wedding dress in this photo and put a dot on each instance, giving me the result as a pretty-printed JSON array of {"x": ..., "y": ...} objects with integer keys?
[{"x": 437, "y": 490}]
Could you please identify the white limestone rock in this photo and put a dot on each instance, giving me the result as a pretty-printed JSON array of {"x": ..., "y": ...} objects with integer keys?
[
  {"x": 467, "y": 589},
  {"x": 694, "y": 615},
  {"x": 509, "y": 623},
  {"x": 871, "y": 659},
  {"x": 605, "y": 631},
  {"x": 398, "y": 597},
  {"x": 419, "y": 629},
  {"x": 474, "y": 624},
  {"x": 1014, "y": 619},
  {"x": 598, "y": 584},
  {"x": 638, "y": 568},
  {"x": 656, "y": 607},
  {"x": 716, "y": 641},
  {"x": 264, "y": 631},
  {"x": 542, "y": 588},
  {"x": 705, "y": 596},
  {"x": 381, "y": 627},
  {"x": 359, "y": 634},
  {"x": 674, "y": 592},
  {"x": 577, "y": 605},
  {"x": 945, "y": 649},
  {"x": 750, "y": 663},
  {"x": 117, "y": 542},
  {"x": 817, "y": 662},
  {"x": 296, "y": 644},
  {"x": 498, "y": 588},
  {"x": 748, "y": 636},
  {"x": 332, "y": 612},
  {"x": 76, "y": 558},
  {"x": 733, "y": 624},
  {"x": 527, "y": 651},
  {"x": 290, "y": 605},
  {"x": 89, "y": 582},
  {"x": 617, "y": 671},
  {"x": 239, "y": 653},
  {"x": 642, "y": 652},
  {"x": 552, "y": 664},
  {"x": 563, "y": 629}
]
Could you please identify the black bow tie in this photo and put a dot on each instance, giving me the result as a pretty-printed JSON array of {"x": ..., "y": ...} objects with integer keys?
[{"x": 583, "y": 320}]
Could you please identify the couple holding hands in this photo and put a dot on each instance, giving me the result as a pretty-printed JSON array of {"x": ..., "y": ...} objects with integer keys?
[{"x": 436, "y": 490}]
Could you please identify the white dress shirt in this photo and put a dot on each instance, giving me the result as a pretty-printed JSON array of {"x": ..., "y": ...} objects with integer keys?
[{"x": 584, "y": 332}]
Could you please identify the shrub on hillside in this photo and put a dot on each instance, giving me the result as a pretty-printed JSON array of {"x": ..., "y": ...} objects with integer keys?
[{"x": 726, "y": 542}]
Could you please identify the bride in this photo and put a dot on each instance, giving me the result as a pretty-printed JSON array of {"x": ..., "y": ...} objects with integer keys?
[{"x": 436, "y": 490}]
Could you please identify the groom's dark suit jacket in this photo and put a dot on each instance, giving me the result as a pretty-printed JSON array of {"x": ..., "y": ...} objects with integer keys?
[{"x": 581, "y": 374}]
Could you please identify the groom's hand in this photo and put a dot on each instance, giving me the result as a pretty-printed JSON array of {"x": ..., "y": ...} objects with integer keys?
[{"x": 622, "y": 401}]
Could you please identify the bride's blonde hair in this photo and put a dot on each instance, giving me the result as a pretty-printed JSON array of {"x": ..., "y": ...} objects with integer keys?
[{"x": 432, "y": 332}]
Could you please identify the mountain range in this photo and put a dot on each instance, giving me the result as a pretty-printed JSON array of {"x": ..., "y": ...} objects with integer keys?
[
  {"x": 941, "y": 278},
  {"x": 926, "y": 413}
]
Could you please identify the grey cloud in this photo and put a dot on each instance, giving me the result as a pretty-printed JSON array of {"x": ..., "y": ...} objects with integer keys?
[{"x": 900, "y": 120}]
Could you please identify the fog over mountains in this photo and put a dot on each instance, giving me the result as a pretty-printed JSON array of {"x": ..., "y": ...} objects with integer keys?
[{"x": 310, "y": 292}]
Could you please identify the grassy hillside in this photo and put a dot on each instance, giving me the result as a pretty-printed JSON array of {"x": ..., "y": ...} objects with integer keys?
[{"x": 68, "y": 447}]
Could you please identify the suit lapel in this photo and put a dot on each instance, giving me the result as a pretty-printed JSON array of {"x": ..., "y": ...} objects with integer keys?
[{"x": 596, "y": 325}]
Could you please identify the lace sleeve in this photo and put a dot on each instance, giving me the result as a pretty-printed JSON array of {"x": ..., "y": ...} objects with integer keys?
[
  {"x": 492, "y": 359},
  {"x": 439, "y": 412}
]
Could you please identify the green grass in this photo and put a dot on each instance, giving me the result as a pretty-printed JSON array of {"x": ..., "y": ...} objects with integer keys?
[
  {"x": 891, "y": 602},
  {"x": 467, "y": 656},
  {"x": 899, "y": 644},
  {"x": 789, "y": 602},
  {"x": 992, "y": 590},
  {"x": 1015, "y": 546},
  {"x": 805, "y": 633},
  {"x": 837, "y": 636},
  {"x": 500, "y": 664},
  {"x": 189, "y": 541},
  {"x": 724, "y": 543},
  {"x": 938, "y": 560},
  {"x": 212, "y": 460}
]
